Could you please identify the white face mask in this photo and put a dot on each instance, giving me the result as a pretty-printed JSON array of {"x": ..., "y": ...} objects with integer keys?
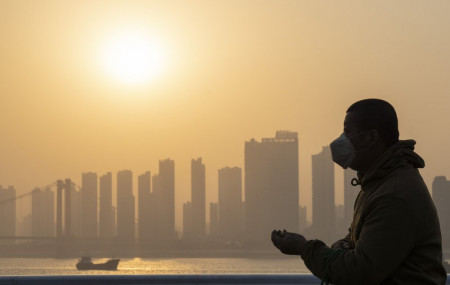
[{"x": 343, "y": 151}]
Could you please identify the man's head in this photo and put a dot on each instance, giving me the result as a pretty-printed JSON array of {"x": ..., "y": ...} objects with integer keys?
[
  {"x": 375, "y": 114},
  {"x": 370, "y": 127}
]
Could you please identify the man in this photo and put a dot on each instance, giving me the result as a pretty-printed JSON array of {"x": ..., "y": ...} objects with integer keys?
[{"x": 395, "y": 236}]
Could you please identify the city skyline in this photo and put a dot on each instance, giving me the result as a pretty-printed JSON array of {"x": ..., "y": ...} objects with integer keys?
[
  {"x": 264, "y": 160},
  {"x": 225, "y": 72},
  {"x": 345, "y": 180}
]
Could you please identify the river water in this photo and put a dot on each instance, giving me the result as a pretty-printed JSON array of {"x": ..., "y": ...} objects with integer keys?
[{"x": 51, "y": 266}]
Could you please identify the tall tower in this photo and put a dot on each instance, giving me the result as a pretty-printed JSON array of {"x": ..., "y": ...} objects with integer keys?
[
  {"x": 89, "y": 220},
  {"x": 271, "y": 185},
  {"x": 198, "y": 198},
  {"x": 165, "y": 197},
  {"x": 230, "y": 202},
  {"x": 107, "y": 212},
  {"x": 75, "y": 211},
  {"x": 8, "y": 211},
  {"x": 42, "y": 213},
  {"x": 441, "y": 197},
  {"x": 144, "y": 205},
  {"x": 323, "y": 211},
  {"x": 125, "y": 205},
  {"x": 153, "y": 220}
]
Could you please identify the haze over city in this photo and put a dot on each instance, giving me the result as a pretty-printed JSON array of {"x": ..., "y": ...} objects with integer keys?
[{"x": 207, "y": 76}]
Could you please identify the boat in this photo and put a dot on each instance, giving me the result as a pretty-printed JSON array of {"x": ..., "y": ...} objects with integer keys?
[{"x": 85, "y": 263}]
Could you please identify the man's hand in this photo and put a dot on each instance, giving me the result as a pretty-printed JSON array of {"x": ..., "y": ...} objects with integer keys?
[{"x": 288, "y": 243}]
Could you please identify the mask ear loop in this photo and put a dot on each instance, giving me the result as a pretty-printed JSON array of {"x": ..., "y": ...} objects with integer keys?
[{"x": 355, "y": 182}]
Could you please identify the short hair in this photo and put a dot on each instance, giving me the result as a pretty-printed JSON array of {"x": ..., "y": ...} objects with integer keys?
[{"x": 379, "y": 115}]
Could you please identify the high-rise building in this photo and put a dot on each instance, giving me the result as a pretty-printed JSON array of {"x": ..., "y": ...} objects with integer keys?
[
  {"x": 230, "y": 201},
  {"x": 350, "y": 194},
  {"x": 198, "y": 197},
  {"x": 165, "y": 200},
  {"x": 75, "y": 212},
  {"x": 107, "y": 214},
  {"x": 89, "y": 211},
  {"x": 144, "y": 206},
  {"x": 42, "y": 213},
  {"x": 441, "y": 197},
  {"x": 7, "y": 211},
  {"x": 213, "y": 219},
  {"x": 187, "y": 220},
  {"x": 323, "y": 206},
  {"x": 271, "y": 185},
  {"x": 125, "y": 205},
  {"x": 153, "y": 219}
]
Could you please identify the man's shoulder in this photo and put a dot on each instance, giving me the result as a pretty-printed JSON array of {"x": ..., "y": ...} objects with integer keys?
[
  {"x": 402, "y": 181},
  {"x": 405, "y": 185}
]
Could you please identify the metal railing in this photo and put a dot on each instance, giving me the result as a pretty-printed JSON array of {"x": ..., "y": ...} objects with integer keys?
[
  {"x": 222, "y": 279},
  {"x": 248, "y": 279}
]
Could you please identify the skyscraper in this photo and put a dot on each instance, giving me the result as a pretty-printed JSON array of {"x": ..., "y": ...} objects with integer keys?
[
  {"x": 89, "y": 196},
  {"x": 165, "y": 200},
  {"x": 441, "y": 197},
  {"x": 198, "y": 197},
  {"x": 323, "y": 211},
  {"x": 144, "y": 206},
  {"x": 271, "y": 185},
  {"x": 153, "y": 218},
  {"x": 75, "y": 211},
  {"x": 42, "y": 213},
  {"x": 107, "y": 211},
  {"x": 230, "y": 202},
  {"x": 7, "y": 211},
  {"x": 125, "y": 205}
]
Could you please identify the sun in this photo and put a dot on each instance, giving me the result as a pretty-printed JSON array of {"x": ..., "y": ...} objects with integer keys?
[{"x": 133, "y": 58}]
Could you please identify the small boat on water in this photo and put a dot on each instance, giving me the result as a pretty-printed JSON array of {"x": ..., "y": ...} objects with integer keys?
[{"x": 85, "y": 263}]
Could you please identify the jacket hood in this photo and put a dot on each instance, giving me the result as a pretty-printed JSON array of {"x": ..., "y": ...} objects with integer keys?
[{"x": 398, "y": 155}]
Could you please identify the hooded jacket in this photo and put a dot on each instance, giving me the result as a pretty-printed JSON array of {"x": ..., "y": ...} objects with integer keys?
[{"x": 395, "y": 231}]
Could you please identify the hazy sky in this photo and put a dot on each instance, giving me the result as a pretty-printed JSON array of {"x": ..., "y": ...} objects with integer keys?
[{"x": 223, "y": 72}]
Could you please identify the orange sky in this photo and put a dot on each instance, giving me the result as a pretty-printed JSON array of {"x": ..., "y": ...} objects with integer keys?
[{"x": 234, "y": 70}]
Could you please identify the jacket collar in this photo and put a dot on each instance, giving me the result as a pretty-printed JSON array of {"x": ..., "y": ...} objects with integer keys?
[{"x": 398, "y": 155}]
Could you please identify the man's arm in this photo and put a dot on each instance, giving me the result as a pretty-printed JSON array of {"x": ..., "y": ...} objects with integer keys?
[
  {"x": 344, "y": 243},
  {"x": 386, "y": 239}
]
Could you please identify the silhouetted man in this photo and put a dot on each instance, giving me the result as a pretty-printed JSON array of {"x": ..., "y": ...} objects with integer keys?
[{"x": 395, "y": 236}]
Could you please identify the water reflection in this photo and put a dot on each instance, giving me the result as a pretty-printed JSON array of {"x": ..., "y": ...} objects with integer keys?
[{"x": 51, "y": 266}]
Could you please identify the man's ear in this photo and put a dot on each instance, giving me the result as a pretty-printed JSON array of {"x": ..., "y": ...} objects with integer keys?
[
  {"x": 372, "y": 138},
  {"x": 375, "y": 134}
]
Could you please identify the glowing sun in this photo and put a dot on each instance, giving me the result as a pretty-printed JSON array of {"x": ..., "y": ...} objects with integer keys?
[{"x": 133, "y": 58}]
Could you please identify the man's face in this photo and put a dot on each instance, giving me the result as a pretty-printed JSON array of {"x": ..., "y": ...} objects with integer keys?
[{"x": 360, "y": 139}]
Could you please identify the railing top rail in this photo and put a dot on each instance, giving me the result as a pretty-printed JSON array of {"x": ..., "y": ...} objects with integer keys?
[
  {"x": 213, "y": 279},
  {"x": 304, "y": 279}
]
